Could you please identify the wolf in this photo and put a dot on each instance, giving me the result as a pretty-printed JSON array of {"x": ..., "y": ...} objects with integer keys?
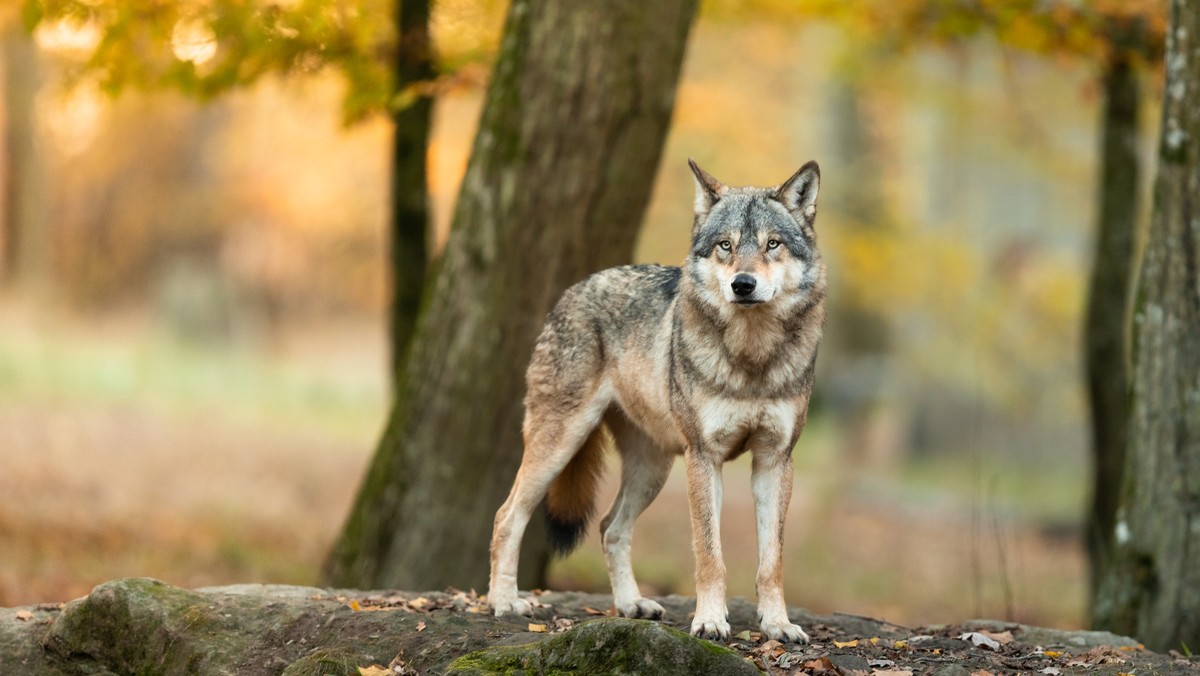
[{"x": 709, "y": 360}]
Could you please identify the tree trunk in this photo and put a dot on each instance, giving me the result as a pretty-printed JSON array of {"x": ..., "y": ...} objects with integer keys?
[
  {"x": 559, "y": 178},
  {"x": 1105, "y": 329},
  {"x": 25, "y": 241},
  {"x": 410, "y": 194},
  {"x": 1151, "y": 589}
]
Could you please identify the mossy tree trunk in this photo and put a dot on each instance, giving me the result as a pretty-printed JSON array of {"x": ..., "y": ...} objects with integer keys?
[
  {"x": 559, "y": 178},
  {"x": 1151, "y": 588},
  {"x": 409, "y": 184},
  {"x": 1106, "y": 352}
]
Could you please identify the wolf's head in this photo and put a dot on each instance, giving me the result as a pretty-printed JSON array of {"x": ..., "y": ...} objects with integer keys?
[{"x": 755, "y": 248}]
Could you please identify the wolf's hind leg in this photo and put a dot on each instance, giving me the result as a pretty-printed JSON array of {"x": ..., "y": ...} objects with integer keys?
[
  {"x": 551, "y": 441},
  {"x": 644, "y": 470}
]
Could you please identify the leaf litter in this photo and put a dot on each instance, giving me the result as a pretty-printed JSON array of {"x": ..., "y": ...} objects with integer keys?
[{"x": 980, "y": 652}]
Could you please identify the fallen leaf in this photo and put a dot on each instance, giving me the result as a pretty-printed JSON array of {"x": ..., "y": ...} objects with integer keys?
[
  {"x": 24, "y": 615},
  {"x": 1001, "y": 637},
  {"x": 355, "y": 605},
  {"x": 874, "y": 640},
  {"x": 593, "y": 611},
  {"x": 772, "y": 648},
  {"x": 846, "y": 644},
  {"x": 745, "y": 635},
  {"x": 375, "y": 670},
  {"x": 820, "y": 665},
  {"x": 1052, "y": 653},
  {"x": 982, "y": 672},
  {"x": 900, "y": 645},
  {"x": 418, "y": 603},
  {"x": 880, "y": 664},
  {"x": 979, "y": 640},
  {"x": 421, "y": 625},
  {"x": 537, "y": 627},
  {"x": 1052, "y": 671},
  {"x": 892, "y": 672}
]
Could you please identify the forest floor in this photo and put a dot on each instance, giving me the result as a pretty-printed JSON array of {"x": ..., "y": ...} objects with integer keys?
[{"x": 128, "y": 452}]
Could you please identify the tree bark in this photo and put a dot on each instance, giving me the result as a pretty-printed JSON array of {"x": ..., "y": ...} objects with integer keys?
[
  {"x": 410, "y": 190},
  {"x": 1151, "y": 589},
  {"x": 559, "y": 178},
  {"x": 26, "y": 242},
  {"x": 1106, "y": 352}
]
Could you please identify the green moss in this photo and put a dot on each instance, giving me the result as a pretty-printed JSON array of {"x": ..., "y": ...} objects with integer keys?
[
  {"x": 612, "y": 645},
  {"x": 325, "y": 663}
]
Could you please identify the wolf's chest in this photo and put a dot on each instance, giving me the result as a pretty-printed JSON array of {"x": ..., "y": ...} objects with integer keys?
[{"x": 730, "y": 427}]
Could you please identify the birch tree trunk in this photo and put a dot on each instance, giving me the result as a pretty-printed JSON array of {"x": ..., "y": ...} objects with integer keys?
[
  {"x": 1151, "y": 589},
  {"x": 559, "y": 178}
]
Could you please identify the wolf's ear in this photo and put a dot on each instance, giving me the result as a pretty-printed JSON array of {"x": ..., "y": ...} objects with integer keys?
[
  {"x": 708, "y": 189},
  {"x": 799, "y": 194}
]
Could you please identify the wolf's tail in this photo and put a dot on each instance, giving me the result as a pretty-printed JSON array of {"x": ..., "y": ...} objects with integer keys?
[{"x": 571, "y": 499}]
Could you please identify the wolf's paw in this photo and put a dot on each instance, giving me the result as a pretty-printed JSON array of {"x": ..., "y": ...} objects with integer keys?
[
  {"x": 641, "y": 608},
  {"x": 710, "y": 628},
  {"x": 511, "y": 606},
  {"x": 784, "y": 631}
]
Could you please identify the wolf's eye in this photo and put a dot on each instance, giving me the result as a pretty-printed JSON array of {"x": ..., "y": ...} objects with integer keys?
[
  {"x": 772, "y": 244},
  {"x": 725, "y": 245}
]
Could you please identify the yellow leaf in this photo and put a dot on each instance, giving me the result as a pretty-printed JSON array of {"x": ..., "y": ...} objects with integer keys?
[
  {"x": 418, "y": 603},
  {"x": 900, "y": 644},
  {"x": 537, "y": 627},
  {"x": 421, "y": 625},
  {"x": 24, "y": 615},
  {"x": 374, "y": 670},
  {"x": 355, "y": 605},
  {"x": 874, "y": 640},
  {"x": 846, "y": 644},
  {"x": 1052, "y": 654}
]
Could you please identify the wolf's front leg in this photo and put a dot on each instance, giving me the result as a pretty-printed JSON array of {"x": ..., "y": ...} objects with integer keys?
[
  {"x": 704, "y": 500},
  {"x": 772, "y": 481}
]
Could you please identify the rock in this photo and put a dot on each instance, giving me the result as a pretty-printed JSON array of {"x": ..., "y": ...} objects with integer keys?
[
  {"x": 146, "y": 626},
  {"x": 1051, "y": 637},
  {"x": 608, "y": 646}
]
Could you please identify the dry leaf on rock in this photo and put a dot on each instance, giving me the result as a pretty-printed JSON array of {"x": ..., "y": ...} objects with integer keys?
[
  {"x": 24, "y": 615},
  {"x": 980, "y": 641},
  {"x": 772, "y": 648},
  {"x": 537, "y": 627},
  {"x": 421, "y": 625},
  {"x": 375, "y": 670},
  {"x": 846, "y": 644},
  {"x": 820, "y": 665},
  {"x": 1002, "y": 637},
  {"x": 892, "y": 672}
]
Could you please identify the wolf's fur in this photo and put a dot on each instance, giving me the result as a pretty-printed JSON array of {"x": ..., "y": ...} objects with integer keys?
[{"x": 710, "y": 361}]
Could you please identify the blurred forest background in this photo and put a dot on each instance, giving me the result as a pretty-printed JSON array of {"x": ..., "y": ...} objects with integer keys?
[{"x": 193, "y": 349}]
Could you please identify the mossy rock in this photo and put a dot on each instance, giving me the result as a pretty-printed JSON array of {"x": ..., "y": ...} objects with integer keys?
[{"x": 608, "y": 646}]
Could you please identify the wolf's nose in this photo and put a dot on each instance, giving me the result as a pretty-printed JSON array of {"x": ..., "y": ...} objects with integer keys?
[{"x": 743, "y": 284}]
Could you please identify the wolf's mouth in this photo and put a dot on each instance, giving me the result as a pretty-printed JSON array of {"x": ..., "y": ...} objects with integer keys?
[{"x": 746, "y": 302}]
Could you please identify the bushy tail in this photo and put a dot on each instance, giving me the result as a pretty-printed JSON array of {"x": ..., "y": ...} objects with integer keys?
[{"x": 571, "y": 500}]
